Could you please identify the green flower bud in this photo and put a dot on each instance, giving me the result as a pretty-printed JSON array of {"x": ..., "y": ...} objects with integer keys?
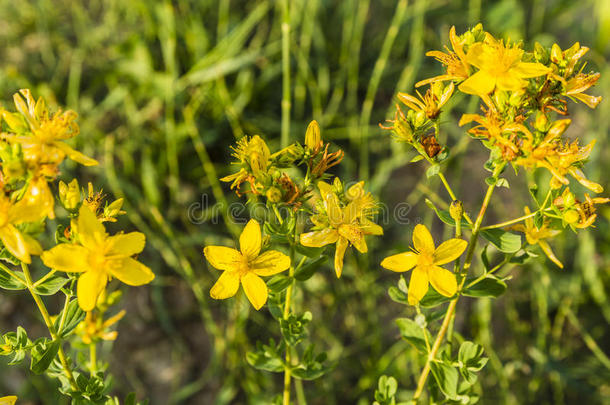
[
  {"x": 456, "y": 210},
  {"x": 69, "y": 195}
]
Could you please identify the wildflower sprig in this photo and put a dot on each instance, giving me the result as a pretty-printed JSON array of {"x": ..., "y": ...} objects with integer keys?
[
  {"x": 33, "y": 144},
  {"x": 524, "y": 100},
  {"x": 293, "y": 184}
]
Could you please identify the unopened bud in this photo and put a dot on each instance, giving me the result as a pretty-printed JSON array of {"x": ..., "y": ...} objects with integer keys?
[
  {"x": 556, "y": 54},
  {"x": 542, "y": 122},
  {"x": 456, "y": 210},
  {"x": 69, "y": 195},
  {"x": 274, "y": 195},
  {"x": 558, "y": 128},
  {"x": 312, "y": 136}
]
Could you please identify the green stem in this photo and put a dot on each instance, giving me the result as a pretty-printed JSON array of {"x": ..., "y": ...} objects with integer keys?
[
  {"x": 93, "y": 358},
  {"x": 44, "y": 278},
  {"x": 288, "y": 358},
  {"x": 47, "y": 320},
  {"x": 451, "y": 309}
]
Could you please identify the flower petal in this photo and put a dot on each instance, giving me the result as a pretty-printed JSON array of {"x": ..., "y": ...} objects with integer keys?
[
  {"x": 269, "y": 263},
  {"x": 370, "y": 228},
  {"x": 333, "y": 209},
  {"x": 226, "y": 286},
  {"x": 15, "y": 243},
  {"x": 400, "y": 262},
  {"x": 250, "y": 239},
  {"x": 74, "y": 154},
  {"x": 339, "y": 254},
  {"x": 418, "y": 286},
  {"x": 66, "y": 257},
  {"x": 91, "y": 232},
  {"x": 449, "y": 250},
  {"x": 90, "y": 285},
  {"x": 529, "y": 69},
  {"x": 443, "y": 281},
  {"x": 127, "y": 244},
  {"x": 319, "y": 238},
  {"x": 354, "y": 236},
  {"x": 546, "y": 248},
  {"x": 480, "y": 83},
  {"x": 510, "y": 81},
  {"x": 422, "y": 240},
  {"x": 130, "y": 271},
  {"x": 222, "y": 257},
  {"x": 256, "y": 290}
]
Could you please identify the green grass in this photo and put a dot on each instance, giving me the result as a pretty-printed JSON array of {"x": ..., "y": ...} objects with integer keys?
[{"x": 164, "y": 88}]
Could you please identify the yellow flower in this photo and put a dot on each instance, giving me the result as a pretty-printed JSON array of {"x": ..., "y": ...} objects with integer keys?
[
  {"x": 44, "y": 141},
  {"x": 10, "y": 400},
  {"x": 99, "y": 257},
  {"x": 343, "y": 226},
  {"x": 11, "y": 214},
  {"x": 455, "y": 61},
  {"x": 430, "y": 103},
  {"x": 245, "y": 266},
  {"x": 537, "y": 236},
  {"x": 94, "y": 328},
  {"x": 499, "y": 67},
  {"x": 425, "y": 260}
]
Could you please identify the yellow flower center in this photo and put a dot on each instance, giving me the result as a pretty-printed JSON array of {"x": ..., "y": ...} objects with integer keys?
[
  {"x": 425, "y": 259},
  {"x": 96, "y": 260},
  {"x": 243, "y": 266}
]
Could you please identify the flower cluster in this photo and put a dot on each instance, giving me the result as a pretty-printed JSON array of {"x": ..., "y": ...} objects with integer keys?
[{"x": 524, "y": 97}]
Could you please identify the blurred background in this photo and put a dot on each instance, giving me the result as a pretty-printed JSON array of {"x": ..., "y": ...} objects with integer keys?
[{"x": 164, "y": 88}]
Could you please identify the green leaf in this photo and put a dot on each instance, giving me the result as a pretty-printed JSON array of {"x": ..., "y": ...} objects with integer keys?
[
  {"x": 294, "y": 328},
  {"x": 313, "y": 252},
  {"x": 74, "y": 315},
  {"x": 413, "y": 333},
  {"x": 446, "y": 377},
  {"x": 490, "y": 287},
  {"x": 485, "y": 259},
  {"x": 433, "y": 299},
  {"x": 416, "y": 159},
  {"x": 9, "y": 283},
  {"x": 312, "y": 366},
  {"x": 444, "y": 216},
  {"x": 51, "y": 285},
  {"x": 43, "y": 353},
  {"x": 506, "y": 242},
  {"x": 433, "y": 171},
  {"x": 308, "y": 270},
  {"x": 398, "y": 296},
  {"x": 279, "y": 283},
  {"x": 6, "y": 256},
  {"x": 266, "y": 357}
]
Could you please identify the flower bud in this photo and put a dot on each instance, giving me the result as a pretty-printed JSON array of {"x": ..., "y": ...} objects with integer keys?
[
  {"x": 456, "y": 210},
  {"x": 312, "y": 136},
  {"x": 556, "y": 54},
  {"x": 69, "y": 195},
  {"x": 558, "y": 128},
  {"x": 274, "y": 194},
  {"x": 571, "y": 216},
  {"x": 542, "y": 122}
]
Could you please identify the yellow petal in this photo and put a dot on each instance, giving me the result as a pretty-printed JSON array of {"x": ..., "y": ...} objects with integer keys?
[
  {"x": 91, "y": 232},
  {"x": 32, "y": 245},
  {"x": 325, "y": 189},
  {"x": 443, "y": 281},
  {"x": 400, "y": 262},
  {"x": 418, "y": 286},
  {"x": 127, "y": 244},
  {"x": 319, "y": 238},
  {"x": 480, "y": 83},
  {"x": 339, "y": 254},
  {"x": 449, "y": 250},
  {"x": 422, "y": 240},
  {"x": 370, "y": 228},
  {"x": 354, "y": 236},
  {"x": 74, "y": 154},
  {"x": 528, "y": 69},
  {"x": 10, "y": 400},
  {"x": 130, "y": 271},
  {"x": 335, "y": 214},
  {"x": 226, "y": 286},
  {"x": 510, "y": 82},
  {"x": 90, "y": 285},
  {"x": 546, "y": 248},
  {"x": 256, "y": 289},
  {"x": 589, "y": 100},
  {"x": 250, "y": 239},
  {"x": 15, "y": 243},
  {"x": 269, "y": 263},
  {"x": 66, "y": 257},
  {"x": 223, "y": 258}
]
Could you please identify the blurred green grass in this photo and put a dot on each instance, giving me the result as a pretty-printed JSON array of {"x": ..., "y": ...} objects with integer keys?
[{"x": 164, "y": 88}]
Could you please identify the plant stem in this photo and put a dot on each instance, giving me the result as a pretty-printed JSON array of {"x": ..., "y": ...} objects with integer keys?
[
  {"x": 285, "y": 137},
  {"x": 451, "y": 309},
  {"x": 287, "y": 306},
  {"x": 47, "y": 320},
  {"x": 93, "y": 358}
]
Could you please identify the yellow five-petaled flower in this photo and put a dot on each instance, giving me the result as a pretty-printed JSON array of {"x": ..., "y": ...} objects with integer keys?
[
  {"x": 245, "y": 266},
  {"x": 99, "y": 257},
  {"x": 10, "y": 400},
  {"x": 425, "y": 261}
]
